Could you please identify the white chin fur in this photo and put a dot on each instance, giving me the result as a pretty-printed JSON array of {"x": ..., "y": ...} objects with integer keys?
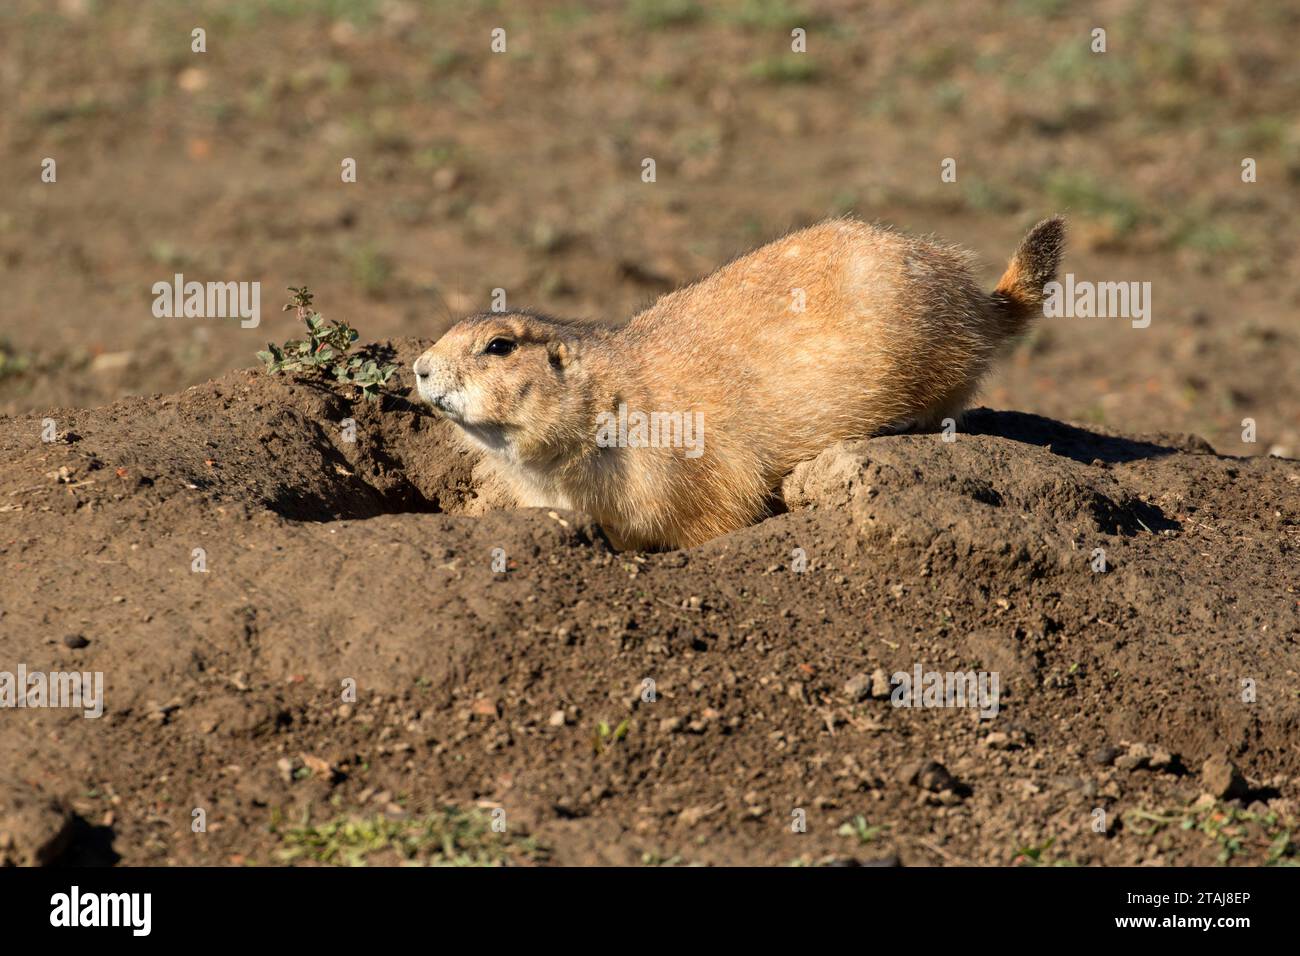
[
  {"x": 425, "y": 392},
  {"x": 453, "y": 403},
  {"x": 457, "y": 408}
]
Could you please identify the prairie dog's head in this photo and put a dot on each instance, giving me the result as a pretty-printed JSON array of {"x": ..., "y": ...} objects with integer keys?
[{"x": 505, "y": 380}]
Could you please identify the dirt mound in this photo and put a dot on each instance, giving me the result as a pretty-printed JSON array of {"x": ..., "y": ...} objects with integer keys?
[{"x": 236, "y": 557}]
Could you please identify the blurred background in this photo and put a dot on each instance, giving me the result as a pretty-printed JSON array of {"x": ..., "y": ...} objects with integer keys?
[{"x": 522, "y": 170}]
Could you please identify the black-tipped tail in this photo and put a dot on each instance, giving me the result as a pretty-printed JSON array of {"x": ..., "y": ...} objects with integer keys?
[{"x": 1019, "y": 293}]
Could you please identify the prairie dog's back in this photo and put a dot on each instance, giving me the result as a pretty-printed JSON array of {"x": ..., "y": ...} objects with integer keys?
[{"x": 839, "y": 330}]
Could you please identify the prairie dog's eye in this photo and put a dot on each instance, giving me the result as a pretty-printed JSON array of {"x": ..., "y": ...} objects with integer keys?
[{"x": 499, "y": 346}]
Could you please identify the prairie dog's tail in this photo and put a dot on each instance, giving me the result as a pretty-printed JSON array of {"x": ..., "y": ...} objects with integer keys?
[{"x": 1019, "y": 293}]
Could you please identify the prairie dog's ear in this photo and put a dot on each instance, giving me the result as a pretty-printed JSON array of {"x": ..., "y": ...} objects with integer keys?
[{"x": 560, "y": 353}]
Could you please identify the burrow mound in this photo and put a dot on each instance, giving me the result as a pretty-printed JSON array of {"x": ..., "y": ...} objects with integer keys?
[
  {"x": 1011, "y": 493},
  {"x": 297, "y": 446}
]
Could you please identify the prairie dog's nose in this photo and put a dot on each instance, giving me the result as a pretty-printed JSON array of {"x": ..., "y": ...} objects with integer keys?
[{"x": 422, "y": 367}]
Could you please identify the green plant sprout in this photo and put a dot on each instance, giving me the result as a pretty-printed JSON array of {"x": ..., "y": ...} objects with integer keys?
[{"x": 324, "y": 350}]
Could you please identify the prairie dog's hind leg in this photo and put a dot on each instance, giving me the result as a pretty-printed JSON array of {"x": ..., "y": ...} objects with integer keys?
[
  {"x": 903, "y": 426},
  {"x": 951, "y": 408}
]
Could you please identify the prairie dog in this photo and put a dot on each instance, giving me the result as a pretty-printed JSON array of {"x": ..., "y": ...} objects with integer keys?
[{"x": 841, "y": 330}]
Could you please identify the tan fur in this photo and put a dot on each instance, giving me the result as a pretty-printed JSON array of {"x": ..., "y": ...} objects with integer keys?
[{"x": 895, "y": 334}]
